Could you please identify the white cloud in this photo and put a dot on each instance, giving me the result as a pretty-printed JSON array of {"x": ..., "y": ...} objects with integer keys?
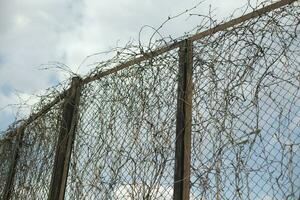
[
  {"x": 139, "y": 191},
  {"x": 36, "y": 32},
  {"x": 267, "y": 198}
]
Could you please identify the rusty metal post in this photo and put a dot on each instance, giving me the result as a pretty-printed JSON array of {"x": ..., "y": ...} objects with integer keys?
[
  {"x": 65, "y": 141},
  {"x": 12, "y": 171},
  {"x": 183, "y": 123}
]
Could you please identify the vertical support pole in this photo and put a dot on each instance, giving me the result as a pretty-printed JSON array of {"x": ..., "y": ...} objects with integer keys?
[
  {"x": 65, "y": 141},
  {"x": 12, "y": 171},
  {"x": 183, "y": 123}
]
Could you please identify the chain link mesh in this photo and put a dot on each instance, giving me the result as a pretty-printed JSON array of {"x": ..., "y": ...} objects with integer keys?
[
  {"x": 124, "y": 147},
  {"x": 36, "y": 157},
  {"x": 246, "y": 110},
  {"x": 6, "y": 152},
  {"x": 245, "y": 123}
]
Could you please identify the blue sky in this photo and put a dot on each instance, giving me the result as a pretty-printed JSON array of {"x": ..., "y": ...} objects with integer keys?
[{"x": 38, "y": 33}]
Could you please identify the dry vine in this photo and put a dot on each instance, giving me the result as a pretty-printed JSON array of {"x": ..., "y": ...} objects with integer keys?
[{"x": 245, "y": 124}]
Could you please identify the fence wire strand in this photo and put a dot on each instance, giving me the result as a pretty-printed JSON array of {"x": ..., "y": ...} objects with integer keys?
[
  {"x": 124, "y": 147},
  {"x": 246, "y": 110},
  {"x": 6, "y": 152},
  {"x": 245, "y": 141},
  {"x": 36, "y": 157}
]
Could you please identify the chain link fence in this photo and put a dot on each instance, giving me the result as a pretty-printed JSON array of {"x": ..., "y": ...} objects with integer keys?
[
  {"x": 36, "y": 156},
  {"x": 116, "y": 135},
  {"x": 124, "y": 147},
  {"x": 34, "y": 150},
  {"x": 6, "y": 152},
  {"x": 246, "y": 110}
]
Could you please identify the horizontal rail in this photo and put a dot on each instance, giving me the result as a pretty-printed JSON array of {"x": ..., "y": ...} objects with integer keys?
[
  {"x": 220, "y": 27},
  {"x": 161, "y": 50},
  {"x": 143, "y": 57},
  {"x": 36, "y": 115},
  {"x": 236, "y": 21}
]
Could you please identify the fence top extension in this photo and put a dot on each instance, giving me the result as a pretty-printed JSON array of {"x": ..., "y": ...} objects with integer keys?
[{"x": 149, "y": 55}]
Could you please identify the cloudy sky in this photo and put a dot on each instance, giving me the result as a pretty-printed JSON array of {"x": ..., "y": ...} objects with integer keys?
[{"x": 35, "y": 33}]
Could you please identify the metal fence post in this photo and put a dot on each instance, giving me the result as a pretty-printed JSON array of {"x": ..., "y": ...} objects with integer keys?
[
  {"x": 65, "y": 141},
  {"x": 183, "y": 123},
  {"x": 12, "y": 171}
]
